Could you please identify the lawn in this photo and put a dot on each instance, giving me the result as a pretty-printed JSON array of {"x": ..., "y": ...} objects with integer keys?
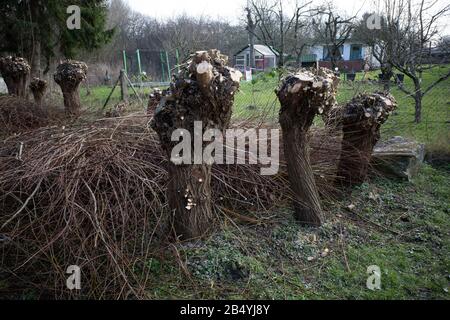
[{"x": 401, "y": 227}]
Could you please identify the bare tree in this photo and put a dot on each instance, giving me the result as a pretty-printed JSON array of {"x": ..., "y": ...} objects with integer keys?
[
  {"x": 333, "y": 31},
  {"x": 276, "y": 26},
  {"x": 414, "y": 29},
  {"x": 380, "y": 41}
]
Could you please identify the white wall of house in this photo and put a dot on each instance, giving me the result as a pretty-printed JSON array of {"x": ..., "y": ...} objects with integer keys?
[
  {"x": 366, "y": 53},
  {"x": 346, "y": 53},
  {"x": 318, "y": 51}
]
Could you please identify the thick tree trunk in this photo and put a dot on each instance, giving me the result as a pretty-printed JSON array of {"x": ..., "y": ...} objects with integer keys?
[
  {"x": 189, "y": 191},
  {"x": 72, "y": 102},
  {"x": 307, "y": 203},
  {"x": 203, "y": 92},
  {"x": 357, "y": 148},
  {"x": 36, "y": 58},
  {"x": 302, "y": 96},
  {"x": 362, "y": 119},
  {"x": 15, "y": 72},
  {"x": 36, "y": 54},
  {"x": 38, "y": 88},
  {"x": 16, "y": 85}
]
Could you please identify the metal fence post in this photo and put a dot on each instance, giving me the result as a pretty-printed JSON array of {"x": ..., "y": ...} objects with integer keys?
[
  {"x": 138, "y": 54},
  {"x": 125, "y": 61}
]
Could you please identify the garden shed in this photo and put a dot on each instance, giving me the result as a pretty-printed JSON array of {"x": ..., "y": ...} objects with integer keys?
[{"x": 266, "y": 58}]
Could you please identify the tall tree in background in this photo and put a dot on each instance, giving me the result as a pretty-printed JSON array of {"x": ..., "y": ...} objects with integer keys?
[
  {"x": 278, "y": 23},
  {"x": 37, "y": 29},
  {"x": 333, "y": 31},
  {"x": 414, "y": 30},
  {"x": 380, "y": 40}
]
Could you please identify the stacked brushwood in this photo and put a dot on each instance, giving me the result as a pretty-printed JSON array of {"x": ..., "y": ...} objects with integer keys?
[
  {"x": 20, "y": 115},
  {"x": 15, "y": 72},
  {"x": 93, "y": 195}
]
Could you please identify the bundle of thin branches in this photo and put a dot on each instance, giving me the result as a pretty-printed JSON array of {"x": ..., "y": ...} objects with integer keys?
[
  {"x": 20, "y": 115},
  {"x": 94, "y": 196},
  {"x": 89, "y": 196}
]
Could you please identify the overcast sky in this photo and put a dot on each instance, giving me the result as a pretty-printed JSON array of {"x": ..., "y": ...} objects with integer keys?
[{"x": 228, "y": 9}]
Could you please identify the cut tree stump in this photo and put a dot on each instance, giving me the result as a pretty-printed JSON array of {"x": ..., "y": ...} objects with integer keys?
[
  {"x": 15, "y": 71},
  {"x": 302, "y": 96},
  {"x": 38, "y": 88},
  {"x": 203, "y": 91},
  {"x": 361, "y": 122},
  {"x": 69, "y": 75}
]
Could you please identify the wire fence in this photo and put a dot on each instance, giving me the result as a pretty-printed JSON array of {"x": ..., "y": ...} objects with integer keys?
[{"x": 257, "y": 98}]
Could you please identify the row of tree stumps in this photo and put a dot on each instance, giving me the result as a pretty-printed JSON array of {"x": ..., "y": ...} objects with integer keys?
[
  {"x": 69, "y": 75},
  {"x": 204, "y": 91},
  {"x": 308, "y": 93}
]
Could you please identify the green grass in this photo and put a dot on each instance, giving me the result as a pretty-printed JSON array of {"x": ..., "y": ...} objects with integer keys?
[{"x": 407, "y": 237}]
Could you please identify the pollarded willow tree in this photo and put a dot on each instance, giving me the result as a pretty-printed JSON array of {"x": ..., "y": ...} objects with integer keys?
[
  {"x": 361, "y": 122},
  {"x": 303, "y": 95},
  {"x": 15, "y": 71},
  {"x": 201, "y": 94},
  {"x": 69, "y": 74}
]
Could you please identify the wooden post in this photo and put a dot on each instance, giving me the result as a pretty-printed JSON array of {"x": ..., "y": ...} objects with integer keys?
[
  {"x": 123, "y": 86},
  {"x": 125, "y": 61}
]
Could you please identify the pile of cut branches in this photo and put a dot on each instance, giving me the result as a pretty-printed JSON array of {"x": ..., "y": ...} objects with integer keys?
[
  {"x": 94, "y": 195},
  {"x": 20, "y": 115}
]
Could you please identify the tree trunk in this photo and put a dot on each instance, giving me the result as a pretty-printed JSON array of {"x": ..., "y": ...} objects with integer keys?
[
  {"x": 72, "y": 101},
  {"x": 69, "y": 74},
  {"x": 202, "y": 93},
  {"x": 418, "y": 102},
  {"x": 302, "y": 96},
  {"x": 307, "y": 203},
  {"x": 16, "y": 85},
  {"x": 356, "y": 153},
  {"x": 36, "y": 60},
  {"x": 38, "y": 88},
  {"x": 189, "y": 192},
  {"x": 15, "y": 72},
  {"x": 361, "y": 121}
]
